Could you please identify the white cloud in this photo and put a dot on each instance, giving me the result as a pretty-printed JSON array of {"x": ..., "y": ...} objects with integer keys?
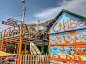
[{"x": 76, "y": 6}]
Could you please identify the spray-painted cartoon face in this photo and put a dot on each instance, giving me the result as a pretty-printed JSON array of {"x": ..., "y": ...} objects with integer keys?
[
  {"x": 58, "y": 49},
  {"x": 71, "y": 51}
]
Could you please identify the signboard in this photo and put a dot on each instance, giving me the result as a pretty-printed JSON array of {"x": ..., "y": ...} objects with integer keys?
[{"x": 10, "y": 23}]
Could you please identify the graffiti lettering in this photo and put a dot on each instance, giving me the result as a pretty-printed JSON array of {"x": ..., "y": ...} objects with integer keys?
[
  {"x": 58, "y": 26},
  {"x": 69, "y": 53},
  {"x": 71, "y": 24},
  {"x": 68, "y": 59},
  {"x": 64, "y": 25},
  {"x": 80, "y": 23},
  {"x": 69, "y": 38}
]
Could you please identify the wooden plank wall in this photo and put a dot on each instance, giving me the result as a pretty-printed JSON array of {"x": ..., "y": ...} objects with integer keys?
[{"x": 34, "y": 59}]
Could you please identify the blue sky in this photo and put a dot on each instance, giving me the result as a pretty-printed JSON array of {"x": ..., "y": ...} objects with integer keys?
[{"x": 42, "y": 10}]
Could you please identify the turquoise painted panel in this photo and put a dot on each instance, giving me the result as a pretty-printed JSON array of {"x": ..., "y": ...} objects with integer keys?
[
  {"x": 56, "y": 50},
  {"x": 67, "y": 22},
  {"x": 69, "y": 50},
  {"x": 68, "y": 43},
  {"x": 78, "y": 37}
]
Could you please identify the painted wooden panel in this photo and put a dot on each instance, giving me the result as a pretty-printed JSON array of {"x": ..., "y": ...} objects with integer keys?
[
  {"x": 65, "y": 41},
  {"x": 68, "y": 54},
  {"x": 68, "y": 46},
  {"x": 67, "y": 22},
  {"x": 68, "y": 38}
]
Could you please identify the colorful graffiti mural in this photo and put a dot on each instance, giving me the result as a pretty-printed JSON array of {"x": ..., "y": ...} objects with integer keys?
[
  {"x": 71, "y": 37},
  {"x": 68, "y": 54},
  {"x": 68, "y": 46},
  {"x": 70, "y": 50},
  {"x": 66, "y": 43},
  {"x": 67, "y": 39}
]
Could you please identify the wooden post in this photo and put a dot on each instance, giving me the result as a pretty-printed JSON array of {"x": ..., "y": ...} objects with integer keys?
[
  {"x": 43, "y": 47},
  {"x": 9, "y": 32},
  {"x": 13, "y": 31},
  {"x": 1, "y": 35},
  {"x": 43, "y": 44},
  {"x": 6, "y": 48},
  {"x": 2, "y": 41},
  {"x": 20, "y": 46},
  {"x": 46, "y": 49},
  {"x": 49, "y": 47},
  {"x": 15, "y": 49},
  {"x": 21, "y": 29},
  {"x": 1, "y": 38},
  {"x": 29, "y": 52},
  {"x": 49, "y": 50},
  {"x": 25, "y": 48},
  {"x": 24, "y": 8}
]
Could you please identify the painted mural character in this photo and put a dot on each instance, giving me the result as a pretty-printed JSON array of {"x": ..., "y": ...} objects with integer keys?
[
  {"x": 71, "y": 51},
  {"x": 55, "y": 50}
]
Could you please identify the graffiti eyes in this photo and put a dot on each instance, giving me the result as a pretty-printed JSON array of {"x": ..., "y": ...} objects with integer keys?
[{"x": 55, "y": 48}]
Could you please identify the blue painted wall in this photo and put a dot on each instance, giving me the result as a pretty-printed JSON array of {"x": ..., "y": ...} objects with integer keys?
[
  {"x": 68, "y": 40},
  {"x": 66, "y": 16}
]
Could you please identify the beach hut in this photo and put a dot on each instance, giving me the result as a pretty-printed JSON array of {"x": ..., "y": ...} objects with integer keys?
[{"x": 67, "y": 38}]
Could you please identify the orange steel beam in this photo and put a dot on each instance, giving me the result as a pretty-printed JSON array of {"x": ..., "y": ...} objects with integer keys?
[
  {"x": 2, "y": 40},
  {"x": 19, "y": 53}
]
